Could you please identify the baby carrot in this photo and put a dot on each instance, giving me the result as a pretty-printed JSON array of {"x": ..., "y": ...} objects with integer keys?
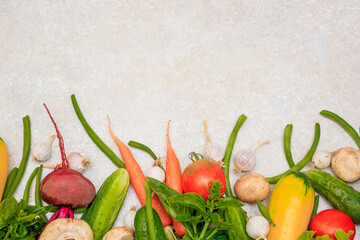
[
  {"x": 137, "y": 179},
  {"x": 173, "y": 170},
  {"x": 173, "y": 178}
]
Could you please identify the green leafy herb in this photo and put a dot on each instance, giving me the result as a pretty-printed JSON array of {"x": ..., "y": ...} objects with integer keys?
[
  {"x": 339, "y": 234},
  {"x": 18, "y": 221},
  {"x": 195, "y": 213}
]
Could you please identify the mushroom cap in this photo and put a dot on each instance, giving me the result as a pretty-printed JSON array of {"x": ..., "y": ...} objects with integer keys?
[
  {"x": 119, "y": 233},
  {"x": 67, "y": 228}
]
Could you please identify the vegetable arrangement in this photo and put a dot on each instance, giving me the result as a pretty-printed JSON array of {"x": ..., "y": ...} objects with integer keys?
[{"x": 198, "y": 203}]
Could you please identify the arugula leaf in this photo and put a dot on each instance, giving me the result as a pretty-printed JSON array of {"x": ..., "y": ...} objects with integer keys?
[
  {"x": 18, "y": 221},
  {"x": 339, "y": 234},
  {"x": 8, "y": 208}
]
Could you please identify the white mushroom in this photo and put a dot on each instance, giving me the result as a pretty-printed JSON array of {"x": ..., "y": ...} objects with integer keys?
[
  {"x": 67, "y": 228},
  {"x": 119, "y": 233}
]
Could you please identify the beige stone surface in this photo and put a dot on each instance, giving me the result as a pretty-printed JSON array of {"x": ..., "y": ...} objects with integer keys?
[{"x": 145, "y": 62}]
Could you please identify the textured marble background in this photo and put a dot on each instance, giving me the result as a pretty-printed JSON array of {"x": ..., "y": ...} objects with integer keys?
[{"x": 145, "y": 62}]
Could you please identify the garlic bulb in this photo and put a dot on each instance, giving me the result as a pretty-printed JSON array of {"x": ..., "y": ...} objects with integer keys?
[
  {"x": 212, "y": 150},
  {"x": 321, "y": 159},
  {"x": 78, "y": 161},
  {"x": 245, "y": 160},
  {"x": 129, "y": 218},
  {"x": 258, "y": 227},
  {"x": 157, "y": 173},
  {"x": 42, "y": 151}
]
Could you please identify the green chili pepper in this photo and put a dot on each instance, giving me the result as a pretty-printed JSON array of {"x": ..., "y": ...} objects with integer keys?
[
  {"x": 10, "y": 179},
  {"x": 94, "y": 137},
  {"x": 148, "y": 150},
  {"x": 304, "y": 161},
  {"x": 149, "y": 212},
  {"x": 28, "y": 185},
  {"x": 228, "y": 153},
  {"x": 142, "y": 147},
  {"x": 348, "y": 128},
  {"x": 315, "y": 208},
  {"x": 25, "y": 157},
  {"x": 287, "y": 144},
  {"x": 264, "y": 212}
]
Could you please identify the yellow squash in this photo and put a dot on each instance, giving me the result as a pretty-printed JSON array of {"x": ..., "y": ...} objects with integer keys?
[
  {"x": 290, "y": 206},
  {"x": 4, "y": 166}
]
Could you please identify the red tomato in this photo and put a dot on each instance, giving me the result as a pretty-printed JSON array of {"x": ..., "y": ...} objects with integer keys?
[
  {"x": 197, "y": 175},
  {"x": 328, "y": 221}
]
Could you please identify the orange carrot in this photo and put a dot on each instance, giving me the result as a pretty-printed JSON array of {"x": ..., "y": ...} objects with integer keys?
[
  {"x": 137, "y": 179},
  {"x": 173, "y": 178}
]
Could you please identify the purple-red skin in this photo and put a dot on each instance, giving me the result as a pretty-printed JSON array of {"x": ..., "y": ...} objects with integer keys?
[{"x": 67, "y": 187}]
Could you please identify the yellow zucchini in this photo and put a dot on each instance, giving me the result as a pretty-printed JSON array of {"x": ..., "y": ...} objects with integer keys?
[
  {"x": 290, "y": 206},
  {"x": 4, "y": 166}
]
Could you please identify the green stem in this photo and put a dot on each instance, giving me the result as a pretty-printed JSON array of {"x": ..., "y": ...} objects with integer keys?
[
  {"x": 228, "y": 153},
  {"x": 315, "y": 208},
  {"x": 169, "y": 233},
  {"x": 94, "y": 137},
  {"x": 38, "y": 202},
  {"x": 304, "y": 161},
  {"x": 264, "y": 212},
  {"x": 213, "y": 233},
  {"x": 10, "y": 180},
  {"x": 348, "y": 128},
  {"x": 28, "y": 185},
  {"x": 149, "y": 212},
  {"x": 206, "y": 226},
  {"x": 287, "y": 145},
  {"x": 25, "y": 157}
]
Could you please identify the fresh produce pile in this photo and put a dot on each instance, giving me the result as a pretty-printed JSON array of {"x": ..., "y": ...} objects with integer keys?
[{"x": 197, "y": 203}]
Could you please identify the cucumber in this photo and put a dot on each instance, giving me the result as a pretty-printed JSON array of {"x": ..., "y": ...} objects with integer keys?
[
  {"x": 141, "y": 226},
  {"x": 340, "y": 195},
  {"x": 237, "y": 216},
  {"x": 103, "y": 211}
]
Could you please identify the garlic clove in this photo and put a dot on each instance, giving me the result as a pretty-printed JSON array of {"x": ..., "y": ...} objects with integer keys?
[
  {"x": 321, "y": 159},
  {"x": 42, "y": 151},
  {"x": 78, "y": 161},
  {"x": 130, "y": 217},
  {"x": 212, "y": 150},
  {"x": 245, "y": 160},
  {"x": 157, "y": 173},
  {"x": 258, "y": 227}
]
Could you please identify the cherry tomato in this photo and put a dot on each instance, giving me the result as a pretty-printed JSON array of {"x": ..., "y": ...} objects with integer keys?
[
  {"x": 199, "y": 174},
  {"x": 328, "y": 221}
]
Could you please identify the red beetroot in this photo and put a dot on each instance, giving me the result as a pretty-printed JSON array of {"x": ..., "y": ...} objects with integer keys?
[{"x": 65, "y": 187}]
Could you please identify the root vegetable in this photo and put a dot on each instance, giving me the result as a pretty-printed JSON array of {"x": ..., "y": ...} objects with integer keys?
[
  {"x": 251, "y": 187},
  {"x": 119, "y": 233},
  {"x": 346, "y": 164},
  {"x": 64, "y": 186},
  {"x": 67, "y": 228}
]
